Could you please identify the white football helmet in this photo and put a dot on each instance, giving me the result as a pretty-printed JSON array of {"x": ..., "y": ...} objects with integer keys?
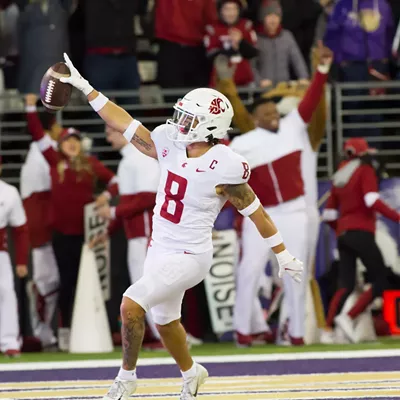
[{"x": 202, "y": 115}]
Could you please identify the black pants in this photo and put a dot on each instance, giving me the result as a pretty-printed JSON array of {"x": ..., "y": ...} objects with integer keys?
[
  {"x": 360, "y": 244},
  {"x": 182, "y": 66},
  {"x": 67, "y": 249}
]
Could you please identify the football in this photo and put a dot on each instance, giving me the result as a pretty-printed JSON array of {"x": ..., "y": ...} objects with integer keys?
[{"x": 54, "y": 94}]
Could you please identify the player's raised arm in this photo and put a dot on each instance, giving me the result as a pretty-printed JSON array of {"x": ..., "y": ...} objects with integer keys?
[
  {"x": 314, "y": 93},
  {"x": 247, "y": 203},
  {"x": 112, "y": 114}
]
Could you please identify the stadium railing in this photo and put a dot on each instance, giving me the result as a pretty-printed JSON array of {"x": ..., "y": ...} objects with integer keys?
[
  {"x": 375, "y": 116},
  {"x": 152, "y": 106}
]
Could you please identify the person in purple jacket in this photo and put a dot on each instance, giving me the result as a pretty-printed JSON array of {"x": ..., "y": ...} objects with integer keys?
[{"x": 360, "y": 33}]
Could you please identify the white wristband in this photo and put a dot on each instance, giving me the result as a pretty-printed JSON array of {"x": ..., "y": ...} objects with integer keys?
[
  {"x": 99, "y": 102},
  {"x": 30, "y": 109},
  {"x": 246, "y": 212},
  {"x": 131, "y": 130},
  {"x": 274, "y": 240},
  {"x": 323, "y": 69},
  {"x": 284, "y": 257},
  {"x": 113, "y": 212}
]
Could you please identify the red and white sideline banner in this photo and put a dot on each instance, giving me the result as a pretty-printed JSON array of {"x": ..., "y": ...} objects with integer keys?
[{"x": 95, "y": 225}]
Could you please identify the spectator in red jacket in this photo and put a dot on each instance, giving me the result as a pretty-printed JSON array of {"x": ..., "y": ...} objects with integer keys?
[
  {"x": 234, "y": 37},
  {"x": 180, "y": 29},
  {"x": 351, "y": 210},
  {"x": 73, "y": 177}
]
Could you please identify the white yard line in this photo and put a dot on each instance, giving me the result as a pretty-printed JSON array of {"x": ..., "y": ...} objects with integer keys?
[{"x": 31, "y": 366}]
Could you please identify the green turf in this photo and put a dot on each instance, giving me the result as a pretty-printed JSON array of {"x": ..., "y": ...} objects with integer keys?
[{"x": 212, "y": 349}]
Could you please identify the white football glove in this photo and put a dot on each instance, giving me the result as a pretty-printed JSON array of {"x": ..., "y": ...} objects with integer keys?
[
  {"x": 290, "y": 265},
  {"x": 76, "y": 78}
]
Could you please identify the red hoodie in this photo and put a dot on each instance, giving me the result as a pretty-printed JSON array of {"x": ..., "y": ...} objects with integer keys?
[
  {"x": 184, "y": 21},
  {"x": 353, "y": 204},
  {"x": 217, "y": 39},
  {"x": 75, "y": 190}
]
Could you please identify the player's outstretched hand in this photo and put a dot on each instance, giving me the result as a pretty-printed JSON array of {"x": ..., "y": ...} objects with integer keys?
[
  {"x": 76, "y": 78},
  {"x": 223, "y": 68},
  {"x": 325, "y": 54},
  {"x": 294, "y": 268},
  {"x": 104, "y": 211},
  {"x": 31, "y": 99},
  {"x": 22, "y": 271},
  {"x": 98, "y": 239}
]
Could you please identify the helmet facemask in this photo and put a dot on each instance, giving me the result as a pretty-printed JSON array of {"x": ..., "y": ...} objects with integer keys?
[
  {"x": 188, "y": 126},
  {"x": 203, "y": 115}
]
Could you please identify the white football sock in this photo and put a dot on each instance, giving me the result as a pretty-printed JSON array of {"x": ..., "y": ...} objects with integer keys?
[
  {"x": 190, "y": 373},
  {"x": 127, "y": 375}
]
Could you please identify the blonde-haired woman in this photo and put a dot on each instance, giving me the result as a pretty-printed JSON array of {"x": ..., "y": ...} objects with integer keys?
[{"x": 73, "y": 177}]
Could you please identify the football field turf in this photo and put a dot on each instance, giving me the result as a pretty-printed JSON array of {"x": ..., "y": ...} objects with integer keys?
[
  {"x": 211, "y": 349},
  {"x": 367, "y": 371}
]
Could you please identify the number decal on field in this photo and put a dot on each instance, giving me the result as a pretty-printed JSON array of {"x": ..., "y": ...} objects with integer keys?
[
  {"x": 246, "y": 171},
  {"x": 177, "y": 197}
]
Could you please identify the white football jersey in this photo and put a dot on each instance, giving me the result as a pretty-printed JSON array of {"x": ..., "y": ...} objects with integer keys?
[
  {"x": 35, "y": 173},
  {"x": 137, "y": 173},
  {"x": 187, "y": 204},
  {"x": 12, "y": 212}
]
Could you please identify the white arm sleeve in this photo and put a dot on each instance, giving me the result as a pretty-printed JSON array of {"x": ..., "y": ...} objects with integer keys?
[{"x": 17, "y": 215}]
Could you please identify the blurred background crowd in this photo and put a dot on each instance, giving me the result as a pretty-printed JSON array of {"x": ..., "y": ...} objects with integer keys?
[
  {"x": 120, "y": 45},
  {"x": 143, "y": 53}
]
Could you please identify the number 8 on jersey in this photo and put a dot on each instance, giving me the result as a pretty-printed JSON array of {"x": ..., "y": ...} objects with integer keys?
[{"x": 174, "y": 200}]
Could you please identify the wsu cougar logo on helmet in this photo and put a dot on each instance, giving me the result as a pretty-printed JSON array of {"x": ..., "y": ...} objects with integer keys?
[{"x": 215, "y": 106}]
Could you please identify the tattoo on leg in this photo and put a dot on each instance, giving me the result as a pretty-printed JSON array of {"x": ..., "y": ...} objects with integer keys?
[
  {"x": 132, "y": 337},
  {"x": 142, "y": 143}
]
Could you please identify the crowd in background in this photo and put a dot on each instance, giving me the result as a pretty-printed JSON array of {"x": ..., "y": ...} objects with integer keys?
[{"x": 268, "y": 41}]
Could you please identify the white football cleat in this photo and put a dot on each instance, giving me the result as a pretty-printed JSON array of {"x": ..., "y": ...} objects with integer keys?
[
  {"x": 344, "y": 322},
  {"x": 191, "y": 386},
  {"x": 121, "y": 390},
  {"x": 193, "y": 341},
  {"x": 327, "y": 337},
  {"x": 341, "y": 337}
]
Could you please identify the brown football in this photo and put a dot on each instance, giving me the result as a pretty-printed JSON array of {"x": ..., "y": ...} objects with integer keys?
[{"x": 54, "y": 94}]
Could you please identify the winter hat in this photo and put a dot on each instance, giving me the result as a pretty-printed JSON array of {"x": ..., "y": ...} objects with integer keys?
[
  {"x": 241, "y": 3},
  {"x": 68, "y": 132},
  {"x": 269, "y": 7},
  {"x": 357, "y": 147}
]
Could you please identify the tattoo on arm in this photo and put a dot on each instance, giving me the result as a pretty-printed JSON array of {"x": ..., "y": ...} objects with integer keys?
[
  {"x": 132, "y": 338},
  {"x": 241, "y": 196},
  {"x": 142, "y": 143}
]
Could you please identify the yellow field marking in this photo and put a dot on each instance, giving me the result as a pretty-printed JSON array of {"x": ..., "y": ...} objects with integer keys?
[
  {"x": 312, "y": 386},
  {"x": 294, "y": 378},
  {"x": 370, "y": 394}
]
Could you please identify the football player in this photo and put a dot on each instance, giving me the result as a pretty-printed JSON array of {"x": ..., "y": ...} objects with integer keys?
[{"x": 198, "y": 175}]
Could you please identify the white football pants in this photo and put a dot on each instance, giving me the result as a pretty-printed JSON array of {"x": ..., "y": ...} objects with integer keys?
[
  {"x": 313, "y": 224},
  {"x": 137, "y": 250},
  {"x": 46, "y": 280},
  {"x": 311, "y": 334},
  {"x": 167, "y": 275},
  {"x": 9, "y": 325},
  {"x": 248, "y": 316}
]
